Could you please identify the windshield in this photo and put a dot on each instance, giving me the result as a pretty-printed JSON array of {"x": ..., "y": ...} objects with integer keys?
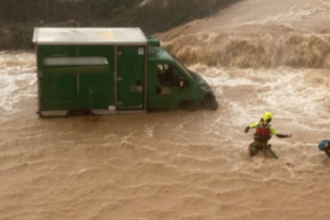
[{"x": 189, "y": 73}]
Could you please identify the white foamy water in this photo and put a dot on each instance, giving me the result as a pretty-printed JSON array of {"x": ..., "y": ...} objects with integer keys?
[
  {"x": 17, "y": 81},
  {"x": 181, "y": 165}
]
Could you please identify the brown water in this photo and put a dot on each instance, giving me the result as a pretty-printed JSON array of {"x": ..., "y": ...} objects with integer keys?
[{"x": 258, "y": 55}]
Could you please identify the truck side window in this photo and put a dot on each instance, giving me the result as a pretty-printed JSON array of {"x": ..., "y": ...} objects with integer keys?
[{"x": 167, "y": 75}]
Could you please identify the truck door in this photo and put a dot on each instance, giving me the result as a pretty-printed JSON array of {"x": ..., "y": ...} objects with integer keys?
[
  {"x": 130, "y": 77},
  {"x": 169, "y": 91}
]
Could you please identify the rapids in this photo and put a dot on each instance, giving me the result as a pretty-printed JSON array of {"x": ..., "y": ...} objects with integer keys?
[{"x": 257, "y": 55}]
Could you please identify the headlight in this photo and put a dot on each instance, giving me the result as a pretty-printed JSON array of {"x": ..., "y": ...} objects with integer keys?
[{"x": 206, "y": 89}]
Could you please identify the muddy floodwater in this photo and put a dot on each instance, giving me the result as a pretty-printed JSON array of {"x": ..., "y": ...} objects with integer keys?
[{"x": 257, "y": 55}]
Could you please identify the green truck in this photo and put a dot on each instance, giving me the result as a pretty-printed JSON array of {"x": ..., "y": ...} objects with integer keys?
[{"x": 112, "y": 71}]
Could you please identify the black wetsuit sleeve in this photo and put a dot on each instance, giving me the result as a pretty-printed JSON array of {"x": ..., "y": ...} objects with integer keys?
[{"x": 282, "y": 135}]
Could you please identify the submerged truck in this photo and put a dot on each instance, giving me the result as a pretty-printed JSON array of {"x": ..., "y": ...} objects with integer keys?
[{"x": 112, "y": 71}]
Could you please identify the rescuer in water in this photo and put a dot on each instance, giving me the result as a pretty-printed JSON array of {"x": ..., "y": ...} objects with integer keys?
[
  {"x": 264, "y": 132},
  {"x": 325, "y": 146}
]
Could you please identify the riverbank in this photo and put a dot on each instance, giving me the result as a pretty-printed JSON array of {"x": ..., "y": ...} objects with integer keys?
[{"x": 151, "y": 16}]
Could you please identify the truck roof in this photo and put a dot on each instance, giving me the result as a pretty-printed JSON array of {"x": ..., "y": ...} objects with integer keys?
[{"x": 89, "y": 36}]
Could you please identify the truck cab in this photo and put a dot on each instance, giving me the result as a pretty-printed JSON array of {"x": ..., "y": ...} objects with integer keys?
[{"x": 172, "y": 85}]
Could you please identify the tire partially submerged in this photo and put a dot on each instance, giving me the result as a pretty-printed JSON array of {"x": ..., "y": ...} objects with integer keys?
[{"x": 210, "y": 102}]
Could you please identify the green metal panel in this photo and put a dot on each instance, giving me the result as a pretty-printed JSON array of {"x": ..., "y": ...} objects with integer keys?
[
  {"x": 58, "y": 91},
  {"x": 76, "y": 86},
  {"x": 44, "y": 51},
  {"x": 130, "y": 74},
  {"x": 97, "y": 88}
]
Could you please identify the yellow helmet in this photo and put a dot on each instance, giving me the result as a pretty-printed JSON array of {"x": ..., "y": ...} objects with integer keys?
[{"x": 267, "y": 116}]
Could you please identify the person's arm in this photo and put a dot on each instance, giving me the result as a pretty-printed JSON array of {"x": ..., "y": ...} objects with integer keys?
[
  {"x": 283, "y": 135},
  {"x": 254, "y": 125},
  {"x": 274, "y": 132}
]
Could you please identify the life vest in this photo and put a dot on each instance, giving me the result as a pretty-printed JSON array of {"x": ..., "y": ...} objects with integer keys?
[{"x": 263, "y": 133}]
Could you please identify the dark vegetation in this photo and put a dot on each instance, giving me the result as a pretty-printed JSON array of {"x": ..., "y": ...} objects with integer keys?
[{"x": 19, "y": 17}]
